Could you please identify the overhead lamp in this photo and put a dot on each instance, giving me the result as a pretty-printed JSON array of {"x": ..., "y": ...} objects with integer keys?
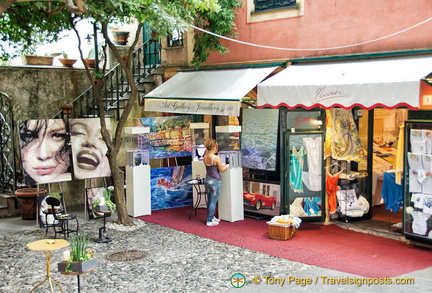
[{"x": 88, "y": 39}]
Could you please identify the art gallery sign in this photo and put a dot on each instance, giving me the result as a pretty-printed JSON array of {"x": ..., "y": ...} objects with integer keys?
[{"x": 202, "y": 107}]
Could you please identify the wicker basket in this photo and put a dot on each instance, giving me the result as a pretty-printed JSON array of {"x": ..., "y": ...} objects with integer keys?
[{"x": 281, "y": 231}]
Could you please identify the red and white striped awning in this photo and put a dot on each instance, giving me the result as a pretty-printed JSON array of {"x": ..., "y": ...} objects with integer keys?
[{"x": 388, "y": 83}]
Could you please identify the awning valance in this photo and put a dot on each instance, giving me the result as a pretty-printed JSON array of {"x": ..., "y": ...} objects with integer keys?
[
  {"x": 214, "y": 92},
  {"x": 387, "y": 83}
]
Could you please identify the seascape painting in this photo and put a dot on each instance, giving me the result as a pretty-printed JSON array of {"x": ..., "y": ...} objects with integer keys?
[
  {"x": 170, "y": 136},
  {"x": 259, "y": 138},
  {"x": 168, "y": 187}
]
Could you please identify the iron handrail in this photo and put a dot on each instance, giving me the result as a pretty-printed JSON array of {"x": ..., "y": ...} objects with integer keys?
[{"x": 115, "y": 88}]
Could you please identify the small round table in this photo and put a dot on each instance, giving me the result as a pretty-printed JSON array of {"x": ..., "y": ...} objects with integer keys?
[
  {"x": 201, "y": 191},
  {"x": 102, "y": 230},
  {"x": 78, "y": 276},
  {"x": 48, "y": 245}
]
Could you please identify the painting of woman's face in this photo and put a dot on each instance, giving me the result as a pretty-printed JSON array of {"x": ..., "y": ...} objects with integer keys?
[
  {"x": 88, "y": 149},
  {"x": 45, "y": 151}
]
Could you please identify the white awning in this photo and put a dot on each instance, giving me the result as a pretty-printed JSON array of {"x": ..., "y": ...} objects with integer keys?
[
  {"x": 387, "y": 83},
  {"x": 214, "y": 92}
]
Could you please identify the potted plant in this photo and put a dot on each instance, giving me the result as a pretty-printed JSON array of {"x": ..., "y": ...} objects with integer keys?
[
  {"x": 80, "y": 258},
  {"x": 67, "y": 62},
  {"x": 104, "y": 203}
]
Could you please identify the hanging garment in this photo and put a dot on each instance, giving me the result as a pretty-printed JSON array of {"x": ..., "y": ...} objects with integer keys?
[
  {"x": 417, "y": 199},
  {"x": 427, "y": 162},
  {"x": 426, "y": 136},
  {"x": 342, "y": 141},
  {"x": 313, "y": 178},
  {"x": 311, "y": 206},
  {"x": 347, "y": 200},
  {"x": 419, "y": 225},
  {"x": 399, "y": 163},
  {"x": 296, "y": 169},
  {"x": 391, "y": 192},
  {"x": 414, "y": 184},
  {"x": 331, "y": 188},
  {"x": 415, "y": 161},
  {"x": 296, "y": 208}
]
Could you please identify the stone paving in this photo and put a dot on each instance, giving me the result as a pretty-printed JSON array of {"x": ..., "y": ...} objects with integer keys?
[{"x": 176, "y": 262}]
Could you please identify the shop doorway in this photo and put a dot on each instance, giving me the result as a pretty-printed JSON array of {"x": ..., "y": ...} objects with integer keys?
[{"x": 384, "y": 146}]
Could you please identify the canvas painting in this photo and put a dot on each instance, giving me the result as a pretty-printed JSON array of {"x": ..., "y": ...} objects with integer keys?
[
  {"x": 259, "y": 139},
  {"x": 45, "y": 151},
  {"x": 261, "y": 197},
  {"x": 170, "y": 136},
  {"x": 88, "y": 148},
  {"x": 168, "y": 187},
  {"x": 93, "y": 194}
]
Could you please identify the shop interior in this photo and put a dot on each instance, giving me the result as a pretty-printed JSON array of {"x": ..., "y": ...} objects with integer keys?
[{"x": 386, "y": 132}]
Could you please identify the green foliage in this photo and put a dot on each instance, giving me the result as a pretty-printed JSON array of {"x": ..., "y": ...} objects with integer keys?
[
  {"x": 107, "y": 194},
  {"x": 55, "y": 194},
  {"x": 25, "y": 25},
  {"x": 220, "y": 22},
  {"x": 79, "y": 250}
]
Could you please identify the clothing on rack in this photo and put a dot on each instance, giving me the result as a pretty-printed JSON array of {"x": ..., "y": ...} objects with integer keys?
[
  {"x": 391, "y": 192},
  {"x": 296, "y": 169},
  {"x": 331, "y": 188},
  {"x": 342, "y": 141},
  {"x": 313, "y": 178},
  {"x": 311, "y": 206}
]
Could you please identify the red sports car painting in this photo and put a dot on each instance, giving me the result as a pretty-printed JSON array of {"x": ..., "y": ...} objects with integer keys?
[{"x": 259, "y": 200}]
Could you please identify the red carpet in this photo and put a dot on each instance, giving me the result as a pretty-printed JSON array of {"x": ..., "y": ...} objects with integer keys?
[{"x": 326, "y": 246}]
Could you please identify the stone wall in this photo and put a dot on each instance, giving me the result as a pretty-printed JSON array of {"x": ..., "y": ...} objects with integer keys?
[{"x": 37, "y": 93}]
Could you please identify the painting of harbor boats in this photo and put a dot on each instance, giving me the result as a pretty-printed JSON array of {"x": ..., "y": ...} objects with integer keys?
[
  {"x": 170, "y": 136},
  {"x": 168, "y": 187}
]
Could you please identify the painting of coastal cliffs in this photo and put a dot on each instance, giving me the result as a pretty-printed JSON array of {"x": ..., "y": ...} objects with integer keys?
[{"x": 259, "y": 138}]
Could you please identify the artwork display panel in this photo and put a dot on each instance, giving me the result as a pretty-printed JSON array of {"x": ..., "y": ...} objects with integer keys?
[
  {"x": 93, "y": 194},
  {"x": 261, "y": 197},
  {"x": 170, "y": 136},
  {"x": 259, "y": 139},
  {"x": 168, "y": 187},
  {"x": 45, "y": 151},
  {"x": 88, "y": 148}
]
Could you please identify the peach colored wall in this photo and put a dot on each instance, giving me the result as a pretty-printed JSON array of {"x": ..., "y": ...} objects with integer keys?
[{"x": 332, "y": 23}]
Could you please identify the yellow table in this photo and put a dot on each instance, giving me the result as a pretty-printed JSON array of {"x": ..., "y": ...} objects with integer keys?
[{"x": 48, "y": 245}]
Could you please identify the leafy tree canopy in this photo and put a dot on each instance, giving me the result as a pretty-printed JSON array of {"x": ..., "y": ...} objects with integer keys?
[{"x": 24, "y": 25}]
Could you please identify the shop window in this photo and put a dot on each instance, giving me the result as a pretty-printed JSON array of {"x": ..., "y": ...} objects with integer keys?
[
  {"x": 262, "y": 5},
  {"x": 264, "y": 10},
  {"x": 175, "y": 39}
]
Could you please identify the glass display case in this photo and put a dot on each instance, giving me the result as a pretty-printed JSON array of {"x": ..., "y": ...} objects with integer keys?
[
  {"x": 137, "y": 158},
  {"x": 233, "y": 158},
  {"x": 199, "y": 133},
  {"x": 133, "y": 138},
  {"x": 228, "y": 137},
  {"x": 417, "y": 185}
]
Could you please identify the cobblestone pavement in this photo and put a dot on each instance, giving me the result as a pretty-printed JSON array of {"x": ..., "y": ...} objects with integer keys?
[{"x": 175, "y": 262}]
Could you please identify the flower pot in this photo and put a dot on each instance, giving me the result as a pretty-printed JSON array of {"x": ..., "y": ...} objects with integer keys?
[
  {"x": 103, "y": 208},
  {"x": 78, "y": 267},
  {"x": 67, "y": 62},
  {"x": 67, "y": 109},
  {"x": 154, "y": 36},
  {"x": 121, "y": 37},
  {"x": 37, "y": 60},
  {"x": 91, "y": 62},
  {"x": 27, "y": 198}
]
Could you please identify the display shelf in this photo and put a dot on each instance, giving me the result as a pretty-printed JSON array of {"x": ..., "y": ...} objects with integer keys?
[
  {"x": 417, "y": 187},
  {"x": 228, "y": 137}
]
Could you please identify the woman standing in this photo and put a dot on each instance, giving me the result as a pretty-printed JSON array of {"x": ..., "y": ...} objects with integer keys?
[{"x": 212, "y": 182}]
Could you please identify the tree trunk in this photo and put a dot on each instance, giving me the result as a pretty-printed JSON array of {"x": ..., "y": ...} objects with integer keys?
[{"x": 119, "y": 192}]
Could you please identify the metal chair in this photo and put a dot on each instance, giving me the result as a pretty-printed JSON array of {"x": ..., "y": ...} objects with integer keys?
[{"x": 60, "y": 224}]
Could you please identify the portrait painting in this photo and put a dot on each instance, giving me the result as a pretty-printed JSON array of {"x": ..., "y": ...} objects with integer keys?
[
  {"x": 45, "y": 151},
  {"x": 88, "y": 148}
]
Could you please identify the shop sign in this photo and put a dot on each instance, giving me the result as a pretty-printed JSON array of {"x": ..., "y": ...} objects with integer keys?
[
  {"x": 304, "y": 120},
  {"x": 224, "y": 108}
]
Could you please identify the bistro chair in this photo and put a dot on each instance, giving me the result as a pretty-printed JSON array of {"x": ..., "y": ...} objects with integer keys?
[{"x": 61, "y": 221}]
